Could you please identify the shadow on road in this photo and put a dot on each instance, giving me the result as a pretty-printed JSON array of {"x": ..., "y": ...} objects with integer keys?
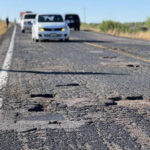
[
  {"x": 90, "y": 41},
  {"x": 75, "y": 41},
  {"x": 61, "y": 73}
]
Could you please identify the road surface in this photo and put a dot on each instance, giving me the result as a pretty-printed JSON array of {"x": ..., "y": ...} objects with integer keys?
[{"x": 91, "y": 93}]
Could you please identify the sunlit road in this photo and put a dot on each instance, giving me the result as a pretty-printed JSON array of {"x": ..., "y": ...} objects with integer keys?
[{"x": 91, "y": 93}]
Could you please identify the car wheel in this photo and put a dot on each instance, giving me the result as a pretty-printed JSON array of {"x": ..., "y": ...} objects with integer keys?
[
  {"x": 36, "y": 40},
  {"x": 61, "y": 40},
  {"x": 66, "y": 40},
  {"x": 23, "y": 31}
]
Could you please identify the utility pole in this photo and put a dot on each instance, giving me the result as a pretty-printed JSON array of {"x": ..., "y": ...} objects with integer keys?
[{"x": 84, "y": 14}]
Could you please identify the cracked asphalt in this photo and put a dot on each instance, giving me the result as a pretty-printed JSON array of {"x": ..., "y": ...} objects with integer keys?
[{"x": 76, "y": 96}]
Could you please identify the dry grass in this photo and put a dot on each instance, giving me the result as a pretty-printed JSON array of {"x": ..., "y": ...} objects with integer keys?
[
  {"x": 137, "y": 35},
  {"x": 3, "y": 28},
  {"x": 87, "y": 27}
]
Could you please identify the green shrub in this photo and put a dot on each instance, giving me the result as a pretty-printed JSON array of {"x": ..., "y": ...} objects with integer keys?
[
  {"x": 147, "y": 23},
  {"x": 110, "y": 25},
  {"x": 117, "y": 27}
]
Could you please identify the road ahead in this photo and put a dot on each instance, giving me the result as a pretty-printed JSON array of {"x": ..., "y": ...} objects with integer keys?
[{"x": 90, "y": 93}]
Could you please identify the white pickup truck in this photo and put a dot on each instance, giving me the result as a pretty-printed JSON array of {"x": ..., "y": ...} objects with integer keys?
[{"x": 27, "y": 21}]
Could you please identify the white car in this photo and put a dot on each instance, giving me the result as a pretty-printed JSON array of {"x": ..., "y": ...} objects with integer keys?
[
  {"x": 27, "y": 21},
  {"x": 50, "y": 27}
]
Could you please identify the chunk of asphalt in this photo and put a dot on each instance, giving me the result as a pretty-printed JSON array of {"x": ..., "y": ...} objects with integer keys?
[{"x": 36, "y": 108}]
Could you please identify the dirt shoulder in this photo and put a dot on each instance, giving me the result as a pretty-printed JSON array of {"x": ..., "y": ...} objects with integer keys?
[{"x": 3, "y": 28}]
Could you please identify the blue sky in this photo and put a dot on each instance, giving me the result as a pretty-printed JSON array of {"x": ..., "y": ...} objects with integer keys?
[{"x": 96, "y": 10}]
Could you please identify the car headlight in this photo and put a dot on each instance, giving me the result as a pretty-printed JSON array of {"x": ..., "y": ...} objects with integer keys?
[
  {"x": 64, "y": 28},
  {"x": 42, "y": 29}
]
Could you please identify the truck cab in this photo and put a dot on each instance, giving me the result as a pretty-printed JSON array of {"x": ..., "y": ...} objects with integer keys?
[
  {"x": 74, "y": 21},
  {"x": 27, "y": 21}
]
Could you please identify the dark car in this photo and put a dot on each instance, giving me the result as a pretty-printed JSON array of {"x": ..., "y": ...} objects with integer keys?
[{"x": 74, "y": 21}]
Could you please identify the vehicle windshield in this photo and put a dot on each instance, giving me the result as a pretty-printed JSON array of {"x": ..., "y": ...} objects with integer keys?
[
  {"x": 50, "y": 18},
  {"x": 30, "y": 16},
  {"x": 72, "y": 17}
]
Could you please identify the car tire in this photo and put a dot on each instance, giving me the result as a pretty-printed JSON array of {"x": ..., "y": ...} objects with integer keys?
[
  {"x": 23, "y": 31},
  {"x": 67, "y": 40},
  {"x": 61, "y": 40},
  {"x": 36, "y": 40}
]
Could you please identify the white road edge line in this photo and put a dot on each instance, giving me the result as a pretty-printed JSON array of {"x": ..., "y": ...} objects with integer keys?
[{"x": 6, "y": 65}]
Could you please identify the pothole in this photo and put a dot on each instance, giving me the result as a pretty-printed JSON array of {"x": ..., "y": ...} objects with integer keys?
[
  {"x": 36, "y": 108},
  {"x": 43, "y": 95},
  {"x": 133, "y": 101},
  {"x": 133, "y": 66},
  {"x": 68, "y": 85},
  {"x": 116, "y": 98},
  {"x": 134, "y": 98},
  {"x": 54, "y": 122},
  {"x": 130, "y": 98},
  {"x": 110, "y": 103}
]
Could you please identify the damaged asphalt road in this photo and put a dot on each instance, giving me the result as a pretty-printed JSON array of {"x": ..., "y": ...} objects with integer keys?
[{"x": 76, "y": 95}]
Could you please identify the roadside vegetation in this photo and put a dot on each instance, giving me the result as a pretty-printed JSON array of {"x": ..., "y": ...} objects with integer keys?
[
  {"x": 3, "y": 28},
  {"x": 139, "y": 30}
]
